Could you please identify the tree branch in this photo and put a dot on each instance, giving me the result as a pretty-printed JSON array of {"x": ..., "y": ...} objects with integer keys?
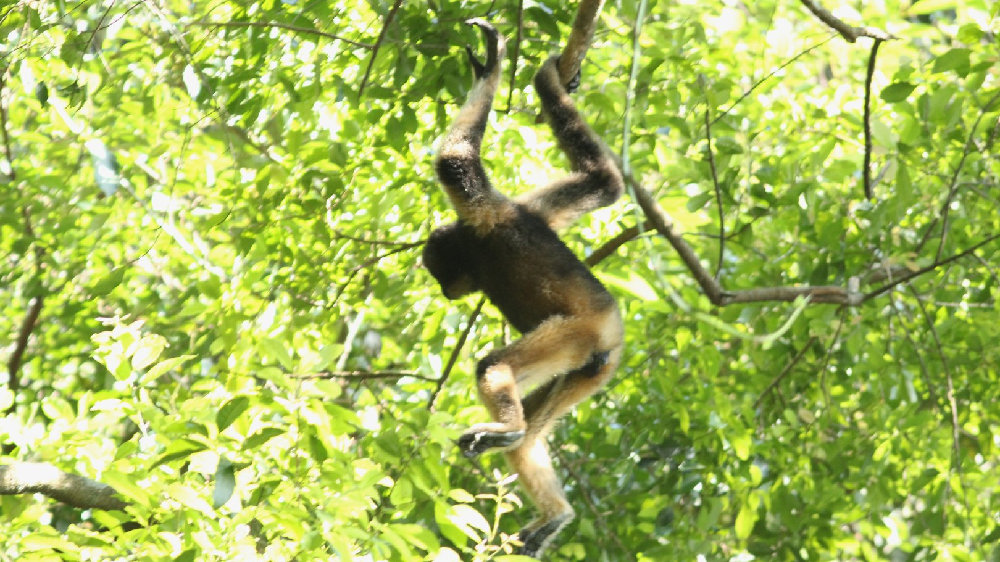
[
  {"x": 8, "y": 153},
  {"x": 848, "y": 32},
  {"x": 718, "y": 195},
  {"x": 867, "y": 170},
  {"x": 71, "y": 489},
  {"x": 928, "y": 268},
  {"x": 378, "y": 45},
  {"x": 364, "y": 375},
  {"x": 454, "y": 353},
  {"x": 784, "y": 372},
  {"x": 579, "y": 38}
]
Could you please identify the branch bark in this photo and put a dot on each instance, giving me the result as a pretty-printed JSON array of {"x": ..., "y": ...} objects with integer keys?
[
  {"x": 71, "y": 489},
  {"x": 580, "y": 38},
  {"x": 846, "y": 31},
  {"x": 657, "y": 217}
]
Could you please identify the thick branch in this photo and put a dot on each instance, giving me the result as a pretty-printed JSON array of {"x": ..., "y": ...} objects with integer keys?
[
  {"x": 71, "y": 489},
  {"x": 848, "y": 32},
  {"x": 17, "y": 357},
  {"x": 579, "y": 39},
  {"x": 665, "y": 226}
]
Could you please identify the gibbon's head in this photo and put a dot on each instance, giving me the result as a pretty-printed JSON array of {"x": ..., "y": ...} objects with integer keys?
[{"x": 446, "y": 256}]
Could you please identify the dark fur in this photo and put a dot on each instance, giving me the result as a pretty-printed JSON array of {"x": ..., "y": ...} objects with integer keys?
[{"x": 508, "y": 249}]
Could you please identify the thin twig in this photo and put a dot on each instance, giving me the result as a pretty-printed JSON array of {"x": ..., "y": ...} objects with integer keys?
[
  {"x": 584, "y": 488},
  {"x": 758, "y": 83},
  {"x": 378, "y": 45},
  {"x": 946, "y": 206},
  {"x": 364, "y": 375},
  {"x": 274, "y": 24},
  {"x": 718, "y": 195},
  {"x": 931, "y": 267},
  {"x": 516, "y": 52},
  {"x": 784, "y": 372},
  {"x": 454, "y": 353},
  {"x": 8, "y": 153},
  {"x": 956, "y": 458},
  {"x": 867, "y": 170},
  {"x": 609, "y": 247}
]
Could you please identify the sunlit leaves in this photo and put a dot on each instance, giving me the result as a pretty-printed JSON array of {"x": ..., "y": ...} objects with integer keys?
[{"x": 216, "y": 223}]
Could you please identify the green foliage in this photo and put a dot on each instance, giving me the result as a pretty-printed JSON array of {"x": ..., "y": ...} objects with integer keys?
[{"x": 235, "y": 333}]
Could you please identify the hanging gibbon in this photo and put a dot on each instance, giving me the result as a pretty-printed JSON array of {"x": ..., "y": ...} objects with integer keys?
[{"x": 571, "y": 328}]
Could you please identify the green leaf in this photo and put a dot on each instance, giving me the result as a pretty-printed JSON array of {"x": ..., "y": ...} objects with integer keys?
[
  {"x": 277, "y": 350},
  {"x": 225, "y": 483},
  {"x": 698, "y": 201},
  {"x": 897, "y": 92},
  {"x": 230, "y": 411},
  {"x": 147, "y": 350},
  {"x": 261, "y": 437},
  {"x": 741, "y": 445},
  {"x": 179, "y": 449},
  {"x": 745, "y": 521},
  {"x": 955, "y": 59},
  {"x": 106, "y": 284},
  {"x": 162, "y": 368}
]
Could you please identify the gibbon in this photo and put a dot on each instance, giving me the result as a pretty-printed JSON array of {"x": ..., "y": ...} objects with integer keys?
[{"x": 508, "y": 249}]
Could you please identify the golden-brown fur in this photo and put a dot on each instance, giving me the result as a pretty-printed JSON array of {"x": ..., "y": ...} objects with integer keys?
[{"x": 571, "y": 327}]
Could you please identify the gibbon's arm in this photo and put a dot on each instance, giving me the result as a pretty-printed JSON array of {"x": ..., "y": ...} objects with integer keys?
[
  {"x": 458, "y": 164},
  {"x": 595, "y": 181}
]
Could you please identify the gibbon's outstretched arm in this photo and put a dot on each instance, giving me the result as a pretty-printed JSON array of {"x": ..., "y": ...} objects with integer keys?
[
  {"x": 595, "y": 182},
  {"x": 571, "y": 328},
  {"x": 458, "y": 164}
]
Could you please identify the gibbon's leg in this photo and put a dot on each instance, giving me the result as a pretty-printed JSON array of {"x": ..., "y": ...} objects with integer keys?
[
  {"x": 595, "y": 181},
  {"x": 557, "y": 347},
  {"x": 458, "y": 165},
  {"x": 531, "y": 459}
]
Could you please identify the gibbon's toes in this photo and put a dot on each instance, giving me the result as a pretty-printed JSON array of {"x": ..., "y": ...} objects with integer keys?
[
  {"x": 534, "y": 539},
  {"x": 475, "y": 443},
  {"x": 531, "y": 544}
]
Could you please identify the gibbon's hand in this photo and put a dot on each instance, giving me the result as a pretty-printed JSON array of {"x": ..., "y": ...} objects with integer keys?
[{"x": 495, "y": 47}]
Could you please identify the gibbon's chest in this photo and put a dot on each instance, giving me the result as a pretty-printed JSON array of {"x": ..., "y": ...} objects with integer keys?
[{"x": 529, "y": 274}]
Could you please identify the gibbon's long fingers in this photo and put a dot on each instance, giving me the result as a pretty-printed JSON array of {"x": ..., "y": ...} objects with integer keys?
[
  {"x": 495, "y": 43},
  {"x": 478, "y": 69}
]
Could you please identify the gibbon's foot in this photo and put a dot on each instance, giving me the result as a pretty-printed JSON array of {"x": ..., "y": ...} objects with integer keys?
[
  {"x": 535, "y": 539},
  {"x": 474, "y": 443},
  {"x": 493, "y": 42}
]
